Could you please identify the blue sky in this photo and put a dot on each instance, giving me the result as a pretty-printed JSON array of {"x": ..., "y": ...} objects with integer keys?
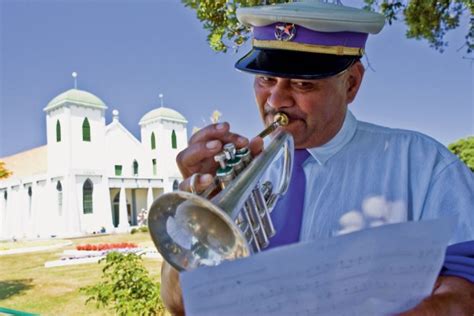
[{"x": 127, "y": 52}]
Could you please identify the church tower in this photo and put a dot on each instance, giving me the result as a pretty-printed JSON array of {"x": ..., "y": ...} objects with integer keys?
[
  {"x": 164, "y": 133},
  {"x": 75, "y": 124}
]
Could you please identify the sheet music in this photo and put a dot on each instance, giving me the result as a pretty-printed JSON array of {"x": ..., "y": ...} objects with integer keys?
[{"x": 378, "y": 271}]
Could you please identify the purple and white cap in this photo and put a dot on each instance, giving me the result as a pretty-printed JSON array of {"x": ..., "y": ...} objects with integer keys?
[{"x": 311, "y": 39}]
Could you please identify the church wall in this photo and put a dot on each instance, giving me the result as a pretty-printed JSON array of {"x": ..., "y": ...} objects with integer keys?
[
  {"x": 122, "y": 149},
  {"x": 55, "y": 209},
  {"x": 164, "y": 153},
  {"x": 3, "y": 212},
  {"x": 100, "y": 216},
  {"x": 20, "y": 220},
  {"x": 87, "y": 155},
  {"x": 58, "y": 152},
  {"x": 16, "y": 212}
]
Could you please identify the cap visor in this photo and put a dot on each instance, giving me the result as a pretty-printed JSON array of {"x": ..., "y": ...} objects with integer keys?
[{"x": 293, "y": 64}]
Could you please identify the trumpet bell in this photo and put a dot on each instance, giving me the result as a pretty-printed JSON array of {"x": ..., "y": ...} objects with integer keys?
[{"x": 190, "y": 231}]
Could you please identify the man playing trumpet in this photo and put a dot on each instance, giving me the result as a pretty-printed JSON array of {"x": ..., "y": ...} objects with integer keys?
[{"x": 306, "y": 62}]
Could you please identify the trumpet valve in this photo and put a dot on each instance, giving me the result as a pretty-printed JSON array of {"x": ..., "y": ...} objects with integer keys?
[{"x": 230, "y": 151}]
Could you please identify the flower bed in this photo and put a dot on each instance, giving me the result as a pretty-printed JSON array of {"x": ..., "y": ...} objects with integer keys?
[
  {"x": 102, "y": 247},
  {"x": 90, "y": 253}
]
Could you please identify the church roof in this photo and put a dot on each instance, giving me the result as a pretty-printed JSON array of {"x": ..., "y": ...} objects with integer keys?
[
  {"x": 76, "y": 96},
  {"x": 160, "y": 113},
  {"x": 27, "y": 163}
]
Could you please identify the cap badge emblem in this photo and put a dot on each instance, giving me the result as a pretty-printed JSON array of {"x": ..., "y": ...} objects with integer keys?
[{"x": 285, "y": 31}]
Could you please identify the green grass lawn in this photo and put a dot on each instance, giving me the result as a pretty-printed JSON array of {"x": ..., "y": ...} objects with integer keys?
[{"x": 26, "y": 285}]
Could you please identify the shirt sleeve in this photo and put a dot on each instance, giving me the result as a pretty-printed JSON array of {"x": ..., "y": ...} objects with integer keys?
[
  {"x": 451, "y": 193},
  {"x": 459, "y": 261}
]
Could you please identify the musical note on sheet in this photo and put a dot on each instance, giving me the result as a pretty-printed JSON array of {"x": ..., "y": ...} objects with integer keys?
[{"x": 384, "y": 270}]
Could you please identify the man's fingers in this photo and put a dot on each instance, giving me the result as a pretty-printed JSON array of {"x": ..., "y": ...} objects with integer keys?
[
  {"x": 209, "y": 132},
  {"x": 191, "y": 157},
  {"x": 218, "y": 131},
  {"x": 256, "y": 146},
  {"x": 197, "y": 183},
  {"x": 199, "y": 155}
]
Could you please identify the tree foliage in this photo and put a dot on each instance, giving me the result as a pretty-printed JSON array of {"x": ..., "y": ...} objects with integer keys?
[
  {"x": 425, "y": 19},
  {"x": 464, "y": 149},
  {"x": 219, "y": 18},
  {"x": 126, "y": 287},
  {"x": 4, "y": 173}
]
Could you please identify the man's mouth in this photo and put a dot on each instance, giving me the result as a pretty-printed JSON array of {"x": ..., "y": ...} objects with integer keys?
[{"x": 269, "y": 117}]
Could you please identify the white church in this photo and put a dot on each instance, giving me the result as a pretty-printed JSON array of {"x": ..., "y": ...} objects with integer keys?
[{"x": 90, "y": 176}]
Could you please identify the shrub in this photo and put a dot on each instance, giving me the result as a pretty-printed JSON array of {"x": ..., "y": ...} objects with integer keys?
[
  {"x": 464, "y": 149},
  {"x": 134, "y": 231},
  {"x": 126, "y": 287},
  {"x": 143, "y": 229}
]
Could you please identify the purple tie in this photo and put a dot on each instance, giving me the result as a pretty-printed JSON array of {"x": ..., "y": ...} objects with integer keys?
[{"x": 288, "y": 213}]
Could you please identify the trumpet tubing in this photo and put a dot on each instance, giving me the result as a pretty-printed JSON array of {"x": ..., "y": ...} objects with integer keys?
[{"x": 190, "y": 230}]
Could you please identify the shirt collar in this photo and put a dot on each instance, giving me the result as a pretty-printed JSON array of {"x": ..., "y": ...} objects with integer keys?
[{"x": 322, "y": 153}]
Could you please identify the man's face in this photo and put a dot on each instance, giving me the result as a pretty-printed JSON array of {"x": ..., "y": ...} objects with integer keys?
[{"x": 316, "y": 108}]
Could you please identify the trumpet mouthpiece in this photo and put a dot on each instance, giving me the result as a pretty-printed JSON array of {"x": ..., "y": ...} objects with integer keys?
[{"x": 281, "y": 118}]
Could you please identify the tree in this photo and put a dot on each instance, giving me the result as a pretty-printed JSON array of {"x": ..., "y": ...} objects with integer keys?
[
  {"x": 4, "y": 173},
  {"x": 425, "y": 19},
  {"x": 464, "y": 149}
]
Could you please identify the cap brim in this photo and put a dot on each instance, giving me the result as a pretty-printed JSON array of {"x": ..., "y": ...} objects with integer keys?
[{"x": 293, "y": 64}]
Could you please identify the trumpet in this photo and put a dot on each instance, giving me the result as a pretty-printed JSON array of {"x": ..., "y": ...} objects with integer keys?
[{"x": 190, "y": 230}]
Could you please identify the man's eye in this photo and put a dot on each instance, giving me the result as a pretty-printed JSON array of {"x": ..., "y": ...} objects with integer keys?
[
  {"x": 303, "y": 85},
  {"x": 266, "y": 80}
]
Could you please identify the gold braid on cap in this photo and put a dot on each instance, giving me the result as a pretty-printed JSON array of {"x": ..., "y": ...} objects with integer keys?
[{"x": 309, "y": 48}]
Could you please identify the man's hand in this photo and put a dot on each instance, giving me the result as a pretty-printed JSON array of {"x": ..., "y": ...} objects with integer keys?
[
  {"x": 198, "y": 157},
  {"x": 451, "y": 296},
  {"x": 171, "y": 289}
]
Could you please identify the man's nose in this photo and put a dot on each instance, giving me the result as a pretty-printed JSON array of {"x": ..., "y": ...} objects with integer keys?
[{"x": 280, "y": 97}]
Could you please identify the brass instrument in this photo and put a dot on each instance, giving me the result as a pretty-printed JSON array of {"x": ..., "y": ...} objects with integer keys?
[{"x": 191, "y": 231}]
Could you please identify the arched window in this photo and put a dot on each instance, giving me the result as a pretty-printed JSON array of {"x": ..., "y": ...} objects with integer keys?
[
  {"x": 87, "y": 202},
  {"x": 175, "y": 185},
  {"x": 174, "y": 143},
  {"x": 135, "y": 168},
  {"x": 86, "y": 130},
  {"x": 58, "y": 131},
  {"x": 59, "y": 189},
  {"x": 153, "y": 161},
  {"x": 5, "y": 199},
  {"x": 30, "y": 199},
  {"x": 153, "y": 140}
]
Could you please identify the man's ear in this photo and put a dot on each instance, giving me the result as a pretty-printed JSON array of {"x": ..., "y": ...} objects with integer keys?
[{"x": 354, "y": 80}]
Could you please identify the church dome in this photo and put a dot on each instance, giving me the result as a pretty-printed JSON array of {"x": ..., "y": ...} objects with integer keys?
[
  {"x": 75, "y": 96},
  {"x": 162, "y": 113}
]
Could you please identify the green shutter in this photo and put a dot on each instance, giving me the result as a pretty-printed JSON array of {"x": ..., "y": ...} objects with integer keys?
[
  {"x": 174, "y": 143},
  {"x": 58, "y": 131},
  {"x": 153, "y": 141},
  {"x": 87, "y": 202},
  {"x": 118, "y": 170},
  {"x": 86, "y": 130}
]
